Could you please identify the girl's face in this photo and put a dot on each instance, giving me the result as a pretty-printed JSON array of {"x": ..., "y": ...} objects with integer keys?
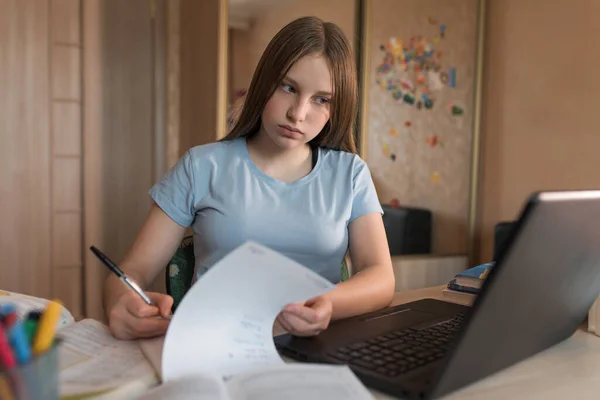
[{"x": 300, "y": 106}]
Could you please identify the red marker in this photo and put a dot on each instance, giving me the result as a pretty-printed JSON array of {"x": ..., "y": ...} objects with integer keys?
[{"x": 7, "y": 358}]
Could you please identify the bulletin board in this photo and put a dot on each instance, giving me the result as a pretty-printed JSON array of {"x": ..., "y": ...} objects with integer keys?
[{"x": 417, "y": 125}]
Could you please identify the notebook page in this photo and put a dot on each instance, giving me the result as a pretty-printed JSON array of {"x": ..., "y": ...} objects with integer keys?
[
  {"x": 92, "y": 360},
  {"x": 224, "y": 324},
  {"x": 196, "y": 387},
  {"x": 299, "y": 382},
  {"x": 25, "y": 303}
]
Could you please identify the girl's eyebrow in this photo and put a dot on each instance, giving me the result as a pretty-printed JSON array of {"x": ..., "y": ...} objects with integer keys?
[{"x": 293, "y": 82}]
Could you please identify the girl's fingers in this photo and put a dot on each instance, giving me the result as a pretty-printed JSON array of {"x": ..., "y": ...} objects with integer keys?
[{"x": 302, "y": 312}]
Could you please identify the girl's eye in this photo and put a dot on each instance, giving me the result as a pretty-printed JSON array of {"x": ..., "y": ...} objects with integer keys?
[
  {"x": 322, "y": 100},
  {"x": 287, "y": 88}
]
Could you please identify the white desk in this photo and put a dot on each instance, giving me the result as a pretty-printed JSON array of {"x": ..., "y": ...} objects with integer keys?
[{"x": 570, "y": 370}]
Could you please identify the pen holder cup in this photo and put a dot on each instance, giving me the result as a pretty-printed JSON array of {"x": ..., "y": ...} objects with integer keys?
[{"x": 36, "y": 380}]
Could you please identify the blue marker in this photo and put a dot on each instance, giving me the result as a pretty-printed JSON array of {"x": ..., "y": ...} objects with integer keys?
[
  {"x": 7, "y": 309},
  {"x": 17, "y": 337}
]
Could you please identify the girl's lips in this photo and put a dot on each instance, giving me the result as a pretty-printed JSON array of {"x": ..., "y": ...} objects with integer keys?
[{"x": 290, "y": 132}]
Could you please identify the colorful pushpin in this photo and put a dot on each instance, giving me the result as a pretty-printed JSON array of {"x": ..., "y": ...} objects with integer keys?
[
  {"x": 452, "y": 77},
  {"x": 432, "y": 140},
  {"x": 386, "y": 150},
  {"x": 409, "y": 98},
  {"x": 456, "y": 110}
]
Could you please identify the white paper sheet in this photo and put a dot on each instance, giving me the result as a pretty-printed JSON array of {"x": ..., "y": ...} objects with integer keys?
[{"x": 224, "y": 323}]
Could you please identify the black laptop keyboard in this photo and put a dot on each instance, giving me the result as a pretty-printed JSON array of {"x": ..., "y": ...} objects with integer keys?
[{"x": 401, "y": 351}]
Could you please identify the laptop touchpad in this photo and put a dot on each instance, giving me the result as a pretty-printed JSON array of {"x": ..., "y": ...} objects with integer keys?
[
  {"x": 398, "y": 319},
  {"x": 406, "y": 313}
]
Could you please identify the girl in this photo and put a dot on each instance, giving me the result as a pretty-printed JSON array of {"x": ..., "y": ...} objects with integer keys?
[{"x": 286, "y": 176}]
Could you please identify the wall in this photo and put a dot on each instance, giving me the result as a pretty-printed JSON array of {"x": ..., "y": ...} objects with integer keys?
[
  {"x": 142, "y": 111},
  {"x": 541, "y": 94},
  {"x": 202, "y": 71},
  {"x": 120, "y": 133},
  {"x": 40, "y": 156},
  {"x": 249, "y": 45}
]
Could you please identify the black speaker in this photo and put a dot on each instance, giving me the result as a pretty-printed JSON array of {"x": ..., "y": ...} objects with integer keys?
[
  {"x": 408, "y": 229},
  {"x": 502, "y": 232}
]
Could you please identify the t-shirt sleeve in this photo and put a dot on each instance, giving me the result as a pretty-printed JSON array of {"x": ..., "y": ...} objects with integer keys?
[
  {"x": 364, "y": 195},
  {"x": 175, "y": 192}
]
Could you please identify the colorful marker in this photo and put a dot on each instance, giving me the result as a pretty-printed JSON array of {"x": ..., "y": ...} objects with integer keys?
[
  {"x": 5, "y": 391},
  {"x": 8, "y": 314},
  {"x": 17, "y": 337},
  {"x": 30, "y": 326},
  {"x": 34, "y": 315},
  {"x": 7, "y": 358},
  {"x": 47, "y": 327}
]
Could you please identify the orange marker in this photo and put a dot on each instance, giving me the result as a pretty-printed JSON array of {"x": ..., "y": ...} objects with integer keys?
[
  {"x": 5, "y": 390},
  {"x": 47, "y": 327}
]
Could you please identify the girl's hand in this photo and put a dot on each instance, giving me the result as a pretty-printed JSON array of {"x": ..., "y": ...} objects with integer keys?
[
  {"x": 131, "y": 318},
  {"x": 307, "y": 319}
]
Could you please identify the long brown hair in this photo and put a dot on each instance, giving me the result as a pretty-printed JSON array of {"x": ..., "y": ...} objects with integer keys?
[{"x": 301, "y": 37}]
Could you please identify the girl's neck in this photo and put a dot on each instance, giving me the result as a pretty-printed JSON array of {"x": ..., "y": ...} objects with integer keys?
[
  {"x": 284, "y": 164},
  {"x": 264, "y": 150}
]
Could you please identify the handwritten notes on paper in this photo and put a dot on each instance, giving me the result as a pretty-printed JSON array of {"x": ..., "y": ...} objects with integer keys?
[{"x": 224, "y": 323}]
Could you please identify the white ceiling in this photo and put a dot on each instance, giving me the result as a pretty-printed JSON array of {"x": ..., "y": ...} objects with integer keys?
[{"x": 242, "y": 12}]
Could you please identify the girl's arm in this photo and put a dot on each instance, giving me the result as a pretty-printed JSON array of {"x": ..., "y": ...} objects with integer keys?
[
  {"x": 128, "y": 316},
  {"x": 372, "y": 283},
  {"x": 370, "y": 288}
]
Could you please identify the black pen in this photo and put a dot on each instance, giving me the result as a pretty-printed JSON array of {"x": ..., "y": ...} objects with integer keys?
[{"x": 111, "y": 266}]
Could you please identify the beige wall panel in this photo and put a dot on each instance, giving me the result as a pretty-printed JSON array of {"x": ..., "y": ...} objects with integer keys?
[
  {"x": 65, "y": 21},
  {"x": 66, "y": 239},
  {"x": 198, "y": 68},
  {"x": 66, "y": 128},
  {"x": 66, "y": 189},
  {"x": 25, "y": 147},
  {"x": 65, "y": 72},
  {"x": 541, "y": 94},
  {"x": 68, "y": 289}
]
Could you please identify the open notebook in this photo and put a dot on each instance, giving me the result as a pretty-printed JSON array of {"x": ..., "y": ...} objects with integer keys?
[
  {"x": 92, "y": 363},
  {"x": 95, "y": 364},
  {"x": 25, "y": 303},
  {"x": 220, "y": 340}
]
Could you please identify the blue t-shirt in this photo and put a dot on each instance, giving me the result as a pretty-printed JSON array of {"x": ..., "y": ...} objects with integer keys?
[{"x": 218, "y": 190}]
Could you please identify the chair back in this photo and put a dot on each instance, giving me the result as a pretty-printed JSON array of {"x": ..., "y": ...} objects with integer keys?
[{"x": 180, "y": 271}]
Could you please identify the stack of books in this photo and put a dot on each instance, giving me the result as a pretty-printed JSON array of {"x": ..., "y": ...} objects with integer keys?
[{"x": 469, "y": 282}]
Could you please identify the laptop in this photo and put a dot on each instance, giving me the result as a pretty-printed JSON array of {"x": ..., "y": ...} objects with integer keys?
[{"x": 538, "y": 293}]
